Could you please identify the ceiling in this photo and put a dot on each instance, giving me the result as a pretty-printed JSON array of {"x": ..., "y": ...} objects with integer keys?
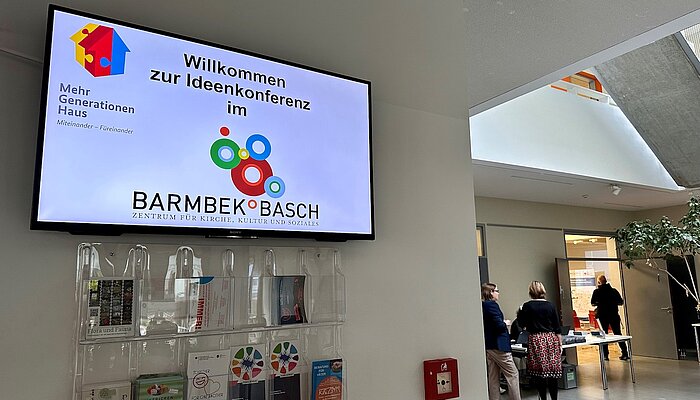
[
  {"x": 519, "y": 183},
  {"x": 513, "y": 42},
  {"x": 528, "y": 184},
  {"x": 657, "y": 88}
]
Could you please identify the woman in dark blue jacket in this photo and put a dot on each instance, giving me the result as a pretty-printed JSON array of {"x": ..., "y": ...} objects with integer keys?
[{"x": 498, "y": 352}]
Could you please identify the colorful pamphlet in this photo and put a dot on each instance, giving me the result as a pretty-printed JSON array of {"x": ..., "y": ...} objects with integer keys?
[
  {"x": 202, "y": 304},
  {"x": 108, "y": 391},
  {"x": 110, "y": 308},
  {"x": 285, "y": 360},
  {"x": 211, "y": 310},
  {"x": 207, "y": 375},
  {"x": 248, "y": 372},
  {"x": 327, "y": 379},
  {"x": 289, "y": 295},
  {"x": 160, "y": 386}
]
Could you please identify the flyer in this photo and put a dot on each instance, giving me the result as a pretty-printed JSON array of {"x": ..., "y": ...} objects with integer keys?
[{"x": 327, "y": 379}]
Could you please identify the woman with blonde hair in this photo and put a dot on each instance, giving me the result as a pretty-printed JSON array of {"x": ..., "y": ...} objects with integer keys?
[
  {"x": 498, "y": 351},
  {"x": 540, "y": 319}
]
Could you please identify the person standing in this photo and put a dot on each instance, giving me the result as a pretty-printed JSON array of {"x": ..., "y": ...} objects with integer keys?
[
  {"x": 607, "y": 299},
  {"x": 498, "y": 351},
  {"x": 540, "y": 319}
]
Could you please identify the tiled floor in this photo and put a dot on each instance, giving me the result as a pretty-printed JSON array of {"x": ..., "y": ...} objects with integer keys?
[{"x": 657, "y": 379}]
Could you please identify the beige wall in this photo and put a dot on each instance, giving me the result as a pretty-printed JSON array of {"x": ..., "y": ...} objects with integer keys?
[
  {"x": 674, "y": 213},
  {"x": 542, "y": 215},
  {"x": 518, "y": 256},
  {"x": 523, "y": 239}
]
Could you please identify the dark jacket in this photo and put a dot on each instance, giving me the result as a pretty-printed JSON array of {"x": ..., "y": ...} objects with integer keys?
[
  {"x": 537, "y": 316},
  {"x": 607, "y": 299},
  {"x": 495, "y": 329},
  {"x": 516, "y": 326}
]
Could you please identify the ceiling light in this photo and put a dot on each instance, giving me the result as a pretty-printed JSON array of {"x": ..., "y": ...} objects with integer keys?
[{"x": 615, "y": 189}]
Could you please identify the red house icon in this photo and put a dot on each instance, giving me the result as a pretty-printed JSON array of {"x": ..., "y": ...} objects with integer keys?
[{"x": 105, "y": 52}]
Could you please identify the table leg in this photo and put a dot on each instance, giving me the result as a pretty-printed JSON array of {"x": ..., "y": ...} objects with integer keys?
[
  {"x": 629, "y": 352},
  {"x": 697, "y": 342},
  {"x": 603, "y": 372}
]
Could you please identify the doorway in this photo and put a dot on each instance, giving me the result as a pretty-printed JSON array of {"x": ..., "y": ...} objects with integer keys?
[
  {"x": 589, "y": 257},
  {"x": 654, "y": 311},
  {"x": 683, "y": 306}
]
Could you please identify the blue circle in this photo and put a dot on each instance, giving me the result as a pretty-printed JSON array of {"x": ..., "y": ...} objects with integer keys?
[
  {"x": 229, "y": 158},
  {"x": 104, "y": 62},
  {"x": 278, "y": 183},
  {"x": 258, "y": 138}
]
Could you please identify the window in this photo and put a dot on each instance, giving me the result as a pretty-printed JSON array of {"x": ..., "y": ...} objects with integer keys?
[{"x": 480, "y": 245}]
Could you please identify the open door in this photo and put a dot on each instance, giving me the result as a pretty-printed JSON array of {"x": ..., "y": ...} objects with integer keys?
[
  {"x": 566, "y": 306},
  {"x": 649, "y": 312}
]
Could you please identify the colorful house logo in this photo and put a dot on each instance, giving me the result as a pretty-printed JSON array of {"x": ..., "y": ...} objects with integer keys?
[
  {"x": 250, "y": 172},
  {"x": 100, "y": 50}
]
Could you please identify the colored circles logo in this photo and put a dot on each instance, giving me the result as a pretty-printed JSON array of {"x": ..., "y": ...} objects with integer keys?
[
  {"x": 284, "y": 358},
  {"x": 251, "y": 174},
  {"x": 247, "y": 363}
]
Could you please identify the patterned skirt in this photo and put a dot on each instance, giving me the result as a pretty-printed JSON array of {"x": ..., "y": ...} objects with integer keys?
[{"x": 544, "y": 355}]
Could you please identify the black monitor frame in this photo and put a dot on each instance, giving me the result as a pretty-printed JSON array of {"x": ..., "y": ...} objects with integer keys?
[{"x": 118, "y": 229}]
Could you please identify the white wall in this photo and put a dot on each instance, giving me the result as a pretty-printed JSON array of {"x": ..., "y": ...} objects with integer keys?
[
  {"x": 552, "y": 130},
  {"x": 412, "y": 294}
]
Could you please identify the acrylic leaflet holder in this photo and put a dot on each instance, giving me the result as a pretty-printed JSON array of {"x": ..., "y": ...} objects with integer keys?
[{"x": 162, "y": 316}]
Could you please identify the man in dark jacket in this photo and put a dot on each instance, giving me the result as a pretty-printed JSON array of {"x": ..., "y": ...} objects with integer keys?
[{"x": 607, "y": 299}]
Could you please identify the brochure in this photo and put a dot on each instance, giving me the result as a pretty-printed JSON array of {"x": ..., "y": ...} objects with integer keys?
[
  {"x": 207, "y": 375},
  {"x": 248, "y": 372},
  {"x": 246, "y": 390},
  {"x": 327, "y": 379},
  {"x": 289, "y": 292},
  {"x": 160, "y": 386},
  {"x": 202, "y": 304},
  {"x": 286, "y": 387},
  {"x": 108, "y": 391},
  {"x": 110, "y": 308},
  {"x": 285, "y": 360}
]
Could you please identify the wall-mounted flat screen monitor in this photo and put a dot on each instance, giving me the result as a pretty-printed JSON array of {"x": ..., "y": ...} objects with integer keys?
[{"x": 147, "y": 131}]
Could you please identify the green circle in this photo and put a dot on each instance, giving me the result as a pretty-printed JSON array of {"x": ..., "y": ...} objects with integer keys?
[
  {"x": 274, "y": 185},
  {"x": 214, "y": 152}
]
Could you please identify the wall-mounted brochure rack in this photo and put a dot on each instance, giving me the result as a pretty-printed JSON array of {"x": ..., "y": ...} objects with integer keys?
[{"x": 208, "y": 322}]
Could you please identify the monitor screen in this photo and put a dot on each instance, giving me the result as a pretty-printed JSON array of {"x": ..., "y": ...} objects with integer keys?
[{"x": 147, "y": 131}]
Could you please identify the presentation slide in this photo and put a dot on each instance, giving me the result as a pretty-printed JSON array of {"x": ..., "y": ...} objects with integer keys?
[{"x": 151, "y": 130}]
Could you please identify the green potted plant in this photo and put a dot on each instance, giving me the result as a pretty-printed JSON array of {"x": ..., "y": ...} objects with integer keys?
[{"x": 652, "y": 242}]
